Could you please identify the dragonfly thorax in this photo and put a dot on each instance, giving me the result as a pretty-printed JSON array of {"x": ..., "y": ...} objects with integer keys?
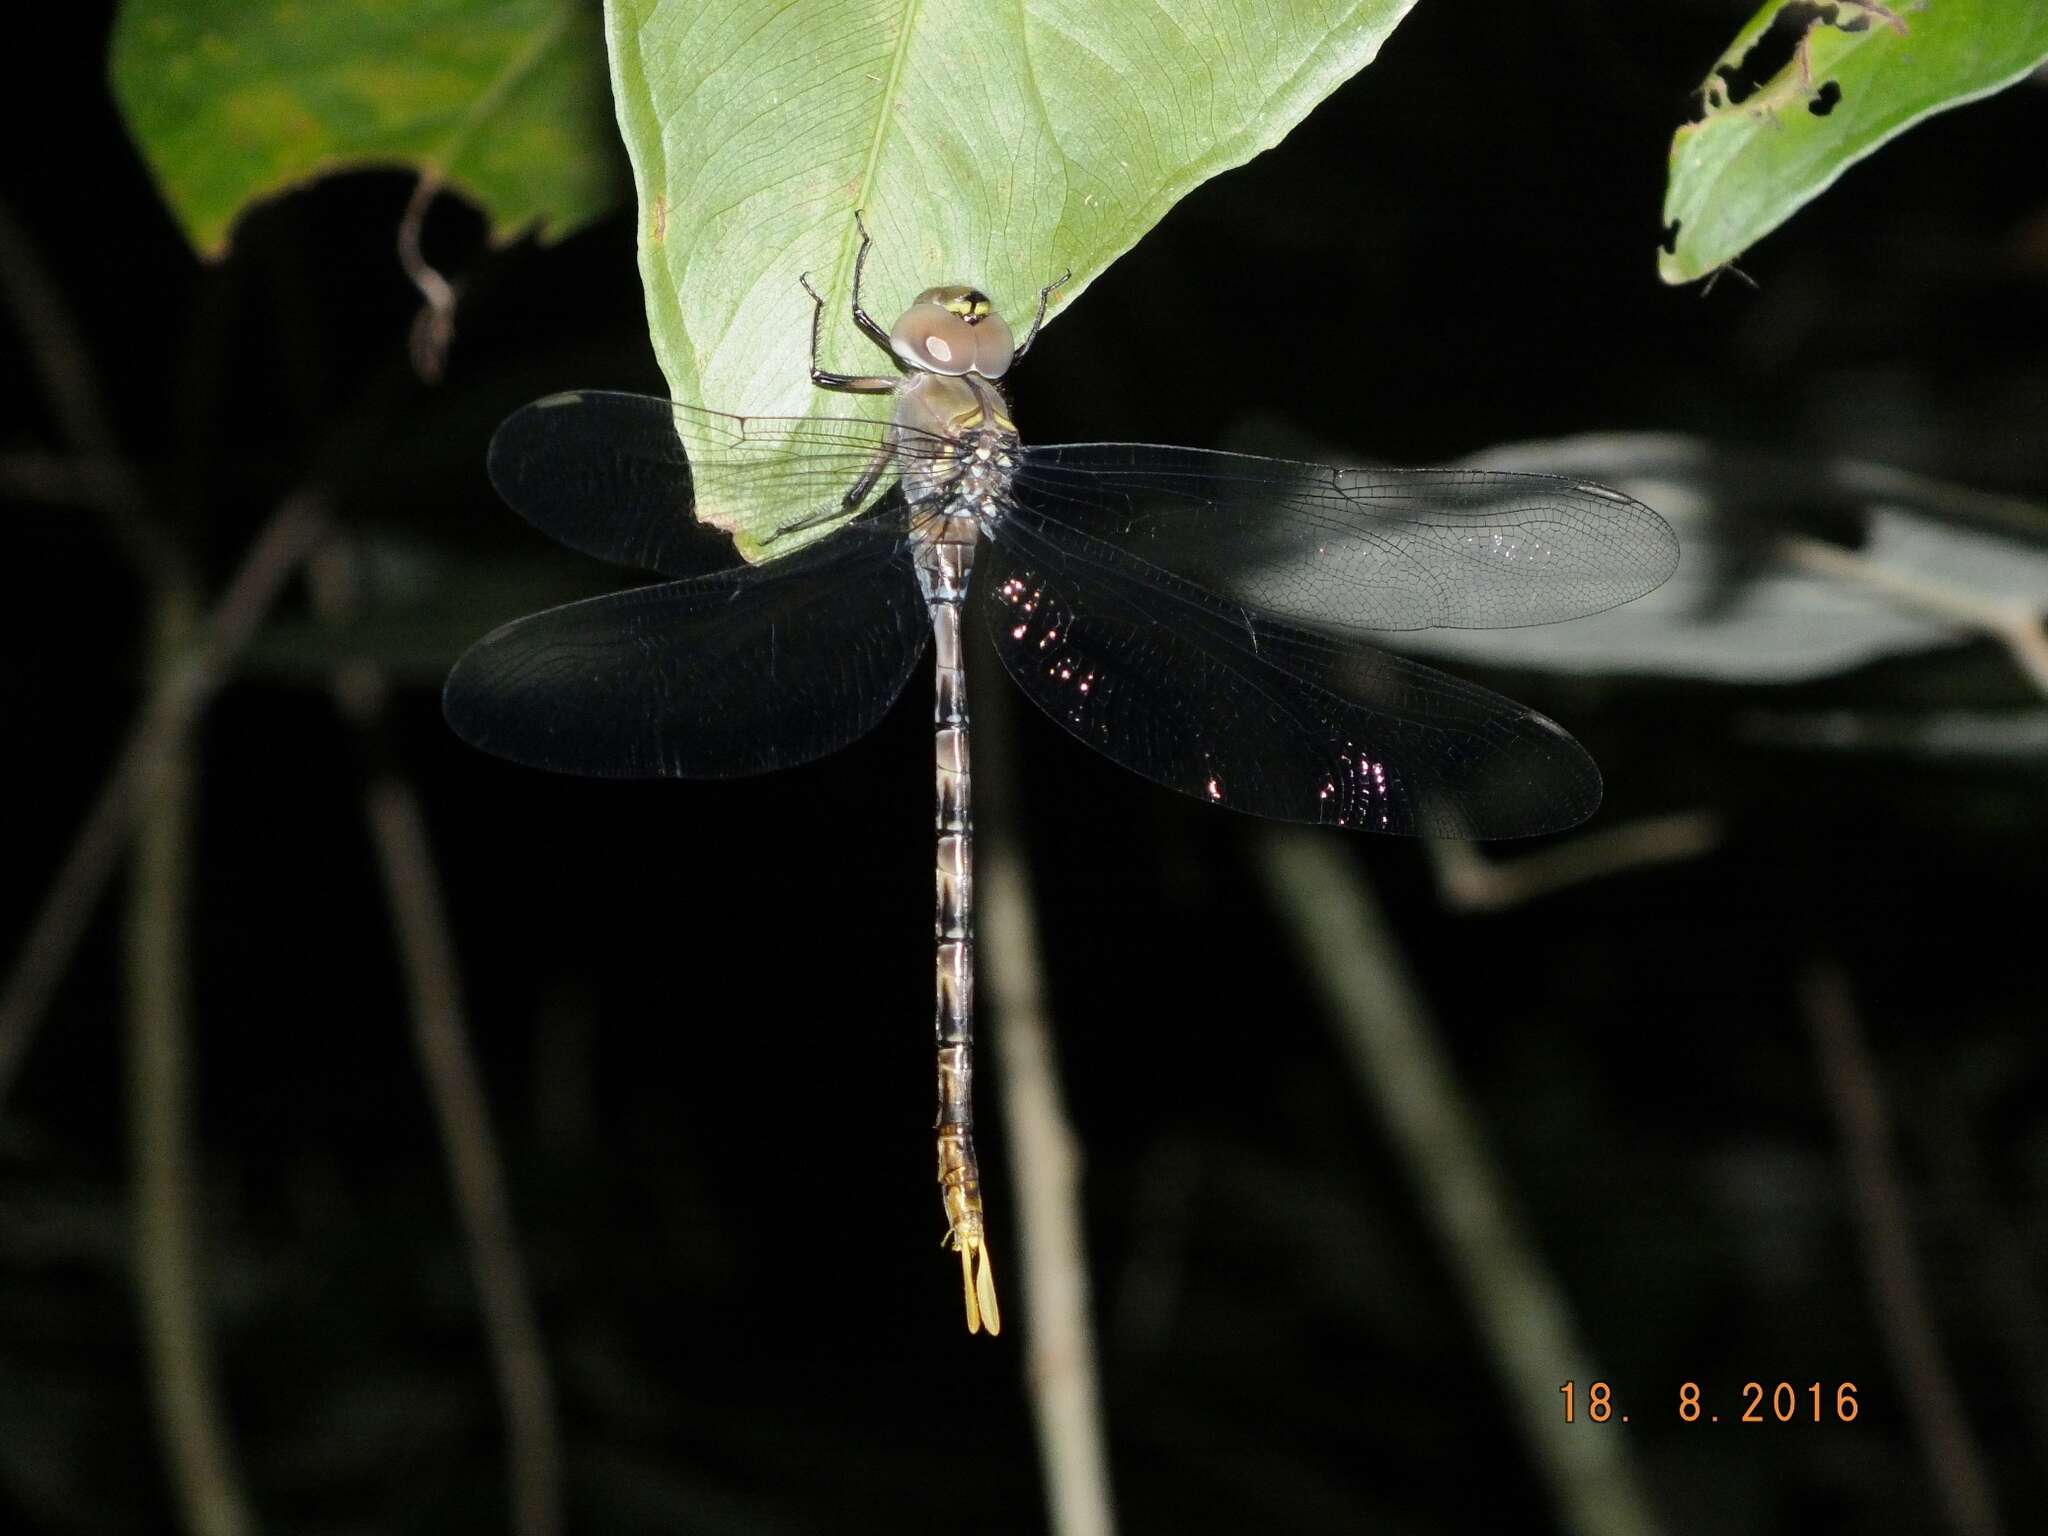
[
  {"x": 953, "y": 438},
  {"x": 987, "y": 461}
]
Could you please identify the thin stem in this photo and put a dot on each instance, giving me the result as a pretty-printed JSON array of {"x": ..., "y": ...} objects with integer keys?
[
  {"x": 1471, "y": 882},
  {"x": 198, "y": 1456},
  {"x": 2004, "y": 736},
  {"x": 433, "y": 328},
  {"x": 1400, "y": 1070},
  {"x": 1954, "y": 1461},
  {"x": 1045, "y": 1169},
  {"x": 1062, "y": 1376},
  {"x": 426, "y": 950},
  {"x": 59, "y": 479},
  {"x": 180, "y": 694},
  {"x": 406, "y": 860},
  {"x": 45, "y": 323},
  {"x": 2015, "y": 625}
]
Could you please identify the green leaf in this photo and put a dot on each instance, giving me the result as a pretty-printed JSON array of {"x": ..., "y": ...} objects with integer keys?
[
  {"x": 235, "y": 101},
  {"x": 1745, "y": 168},
  {"x": 997, "y": 145}
]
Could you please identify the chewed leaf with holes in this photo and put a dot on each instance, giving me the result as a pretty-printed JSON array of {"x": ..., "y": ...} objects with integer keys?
[
  {"x": 503, "y": 100},
  {"x": 1846, "y": 76},
  {"x": 993, "y": 145}
]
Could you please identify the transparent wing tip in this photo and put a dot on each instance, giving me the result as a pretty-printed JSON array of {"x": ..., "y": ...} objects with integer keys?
[{"x": 1538, "y": 780}]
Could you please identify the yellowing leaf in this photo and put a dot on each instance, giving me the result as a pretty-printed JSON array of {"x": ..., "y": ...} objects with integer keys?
[{"x": 234, "y": 101}]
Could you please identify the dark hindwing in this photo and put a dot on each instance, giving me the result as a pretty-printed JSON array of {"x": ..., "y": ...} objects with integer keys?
[
  {"x": 714, "y": 677},
  {"x": 1244, "y": 709}
]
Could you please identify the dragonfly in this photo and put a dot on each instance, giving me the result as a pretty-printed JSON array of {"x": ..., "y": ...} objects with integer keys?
[{"x": 1207, "y": 620}]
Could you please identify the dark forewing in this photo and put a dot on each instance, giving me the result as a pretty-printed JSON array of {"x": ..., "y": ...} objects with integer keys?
[
  {"x": 715, "y": 677},
  {"x": 1356, "y": 549},
  {"x": 1246, "y": 710},
  {"x": 607, "y": 474}
]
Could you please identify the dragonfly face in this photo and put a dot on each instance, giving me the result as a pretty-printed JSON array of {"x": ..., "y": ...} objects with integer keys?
[
  {"x": 1210, "y": 621},
  {"x": 953, "y": 330}
]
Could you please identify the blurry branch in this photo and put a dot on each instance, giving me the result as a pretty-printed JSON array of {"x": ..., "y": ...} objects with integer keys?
[
  {"x": 2002, "y": 736},
  {"x": 179, "y": 694},
  {"x": 1065, "y": 1390},
  {"x": 520, "y": 1362},
  {"x": 2017, "y": 626},
  {"x": 433, "y": 328},
  {"x": 1954, "y": 1462},
  {"x": 2012, "y": 1301},
  {"x": 426, "y": 952},
  {"x": 97, "y": 473},
  {"x": 199, "y": 1463},
  {"x": 60, "y": 479},
  {"x": 154, "y": 780},
  {"x": 45, "y": 324},
  {"x": 1400, "y": 1070},
  {"x": 1874, "y": 484},
  {"x": 1061, "y": 1371},
  {"x": 1468, "y": 881}
]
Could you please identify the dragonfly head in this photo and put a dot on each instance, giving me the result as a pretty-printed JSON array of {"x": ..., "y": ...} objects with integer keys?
[{"x": 953, "y": 330}]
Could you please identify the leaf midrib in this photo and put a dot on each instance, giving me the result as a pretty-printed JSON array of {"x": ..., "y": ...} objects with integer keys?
[
  {"x": 848, "y": 242},
  {"x": 516, "y": 68}
]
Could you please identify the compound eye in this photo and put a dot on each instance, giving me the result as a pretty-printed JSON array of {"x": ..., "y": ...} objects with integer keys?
[
  {"x": 993, "y": 346},
  {"x": 934, "y": 340}
]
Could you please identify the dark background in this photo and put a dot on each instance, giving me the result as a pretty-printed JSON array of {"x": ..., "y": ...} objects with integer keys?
[{"x": 703, "y": 1010}]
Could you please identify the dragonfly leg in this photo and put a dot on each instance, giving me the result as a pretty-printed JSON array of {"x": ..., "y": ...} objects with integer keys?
[
  {"x": 1038, "y": 320},
  {"x": 824, "y": 378},
  {"x": 858, "y": 491},
  {"x": 874, "y": 332},
  {"x": 852, "y": 499}
]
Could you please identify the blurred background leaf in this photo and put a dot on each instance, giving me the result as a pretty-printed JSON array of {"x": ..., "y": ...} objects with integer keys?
[
  {"x": 502, "y": 100},
  {"x": 1859, "y": 74},
  {"x": 1741, "y": 608},
  {"x": 997, "y": 146}
]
